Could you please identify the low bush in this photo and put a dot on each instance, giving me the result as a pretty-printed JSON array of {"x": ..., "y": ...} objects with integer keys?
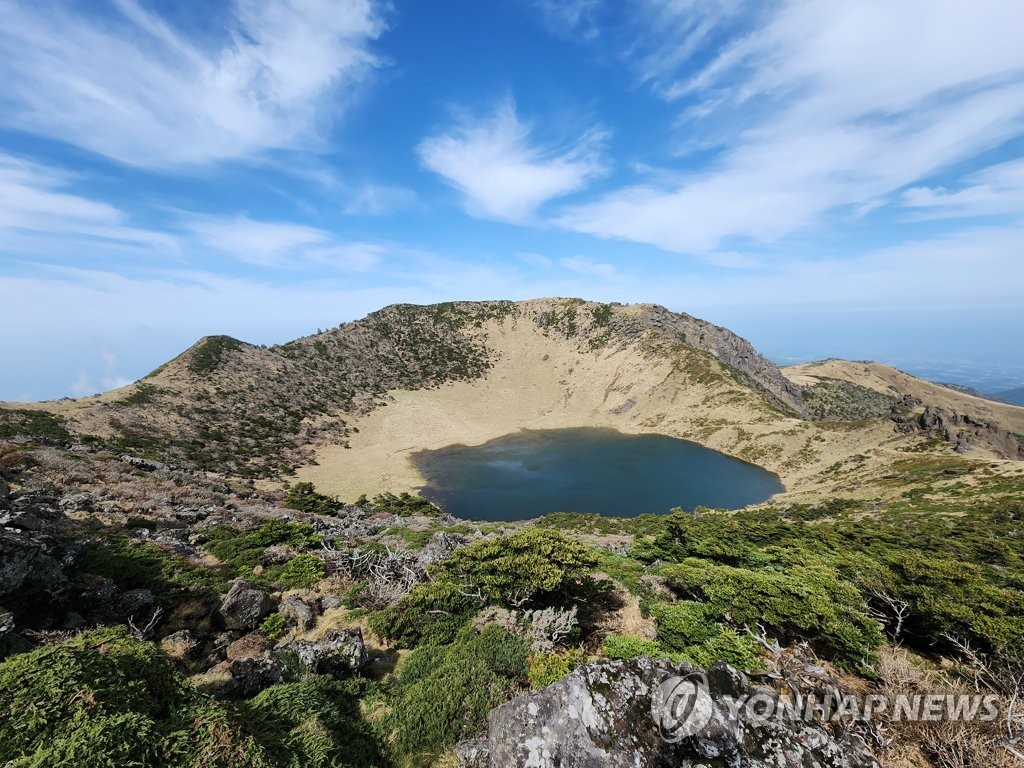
[
  {"x": 629, "y": 647},
  {"x": 805, "y": 602},
  {"x": 430, "y": 613},
  {"x": 548, "y": 668},
  {"x": 144, "y": 565},
  {"x": 106, "y": 700},
  {"x": 404, "y": 505},
  {"x": 514, "y": 569},
  {"x": 241, "y": 551},
  {"x": 313, "y": 724},
  {"x": 682, "y": 624},
  {"x": 305, "y": 498},
  {"x": 444, "y": 693},
  {"x": 741, "y": 651},
  {"x": 301, "y": 572},
  {"x": 32, "y": 423},
  {"x": 273, "y": 627}
]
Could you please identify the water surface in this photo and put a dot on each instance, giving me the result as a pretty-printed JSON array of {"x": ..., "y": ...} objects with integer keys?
[{"x": 534, "y": 472}]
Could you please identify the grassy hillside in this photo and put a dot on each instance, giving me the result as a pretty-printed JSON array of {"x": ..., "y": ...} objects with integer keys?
[{"x": 226, "y": 405}]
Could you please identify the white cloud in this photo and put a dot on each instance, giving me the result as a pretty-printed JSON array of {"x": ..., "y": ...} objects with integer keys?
[
  {"x": 994, "y": 190},
  {"x": 825, "y": 107},
  {"x": 129, "y": 86},
  {"x": 956, "y": 273},
  {"x": 255, "y": 242},
  {"x": 280, "y": 244},
  {"x": 379, "y": 200},
  {"x": 37, "y": 213},
  {"x": 501, "y": 173},
  {"x": 589, "y": 268},
  {"x": 535, "y": 260},
  {"x": 87, "y": 384}
]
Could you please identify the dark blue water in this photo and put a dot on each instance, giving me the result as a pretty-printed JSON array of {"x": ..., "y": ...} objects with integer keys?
[{"x": 534, "y": 472}]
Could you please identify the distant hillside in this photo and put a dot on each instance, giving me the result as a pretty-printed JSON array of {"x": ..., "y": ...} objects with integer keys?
[
  {"x": 347, "y": 408},
  {"x": 964, "y": 390},
  {"x": 892, "y": 383},
  {"x": 1012, "y": 396},
  {"x": 229, "y": 406}
]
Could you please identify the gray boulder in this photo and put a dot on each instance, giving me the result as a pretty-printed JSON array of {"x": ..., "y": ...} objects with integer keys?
[
  {"x": 27, "y": 567},
  {"x": 610, "y": 714},
  {"x": 135, "y": 601},
  {"x": 296, "y": 612},
  {"x": 340, "y": 652},
  {"x": 244, "y": 677},
  {"x": 244, "y": 606}
]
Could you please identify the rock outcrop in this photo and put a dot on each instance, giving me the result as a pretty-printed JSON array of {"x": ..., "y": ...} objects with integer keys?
[
  {"x": 244, "y": 606},
  {"x": 340, "y": 652},
  {"x": 296, "y": 612},
  {"x": 612, "y": 714},
  {"x": 962, "y": 431}
]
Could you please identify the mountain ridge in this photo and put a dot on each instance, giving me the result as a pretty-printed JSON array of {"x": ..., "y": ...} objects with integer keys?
[
  {"x": 307, "y": 386},
  {"x": 345, "y": 408}
]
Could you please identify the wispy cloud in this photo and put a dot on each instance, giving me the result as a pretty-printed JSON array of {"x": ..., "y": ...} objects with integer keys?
[
  {"x": 501, "y": 172},
  {"x": 88, "y": 384},
  {"x": 998, "y": 189},
  {"x": 280, "y": 244},
  {"x": 589, "y": 268},
  {"x": 128, "y": 85},
  {"x": 379, "y": 200},
  {"x": 570, "y": 17},
  {"x": 825, "y": 108},
  {"x": 38, "y": 212}
]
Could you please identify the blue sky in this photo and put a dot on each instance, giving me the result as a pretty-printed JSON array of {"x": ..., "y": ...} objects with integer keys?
[{"x": 825, "y": 178}]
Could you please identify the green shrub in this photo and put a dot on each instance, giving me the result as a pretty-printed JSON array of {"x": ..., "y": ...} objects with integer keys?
[
  {"x": 741, "y": 651},
  {"x": 302, "y": 571},
  {"x": 516, "y": 568},
  {"x": 629, "y": 647},
  {"x": 682, "y": 624},
  {"x": 350, "y": 599},
  {"x": 273, "y": 627},
  {"x": 106, "y": 700},
  {"x": 404, "y": 505},
  {"x": 313, "y": 724},
  {"x": 431, "y": 613},
  {"x": 209, "y": 353},
  {"x": 548, "y": 668},
  {"x": 32, "y": 423},
  {"x": 804, "y": 602},
  {"x": 445, "y": 693},
  {"x": 413, "y": 539},
  {"x": 143, "y": 565},
  {"x": 242, "y": 551},
  {"x": 305, "y": 498}
]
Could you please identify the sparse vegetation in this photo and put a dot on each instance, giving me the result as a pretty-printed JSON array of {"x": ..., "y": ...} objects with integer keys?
[
  {"x": 305, "y": 498},
  {"x": 837, "y": 400},
  {"x": 209, "y": 353},
  {"x": 33, "y": 424}
]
